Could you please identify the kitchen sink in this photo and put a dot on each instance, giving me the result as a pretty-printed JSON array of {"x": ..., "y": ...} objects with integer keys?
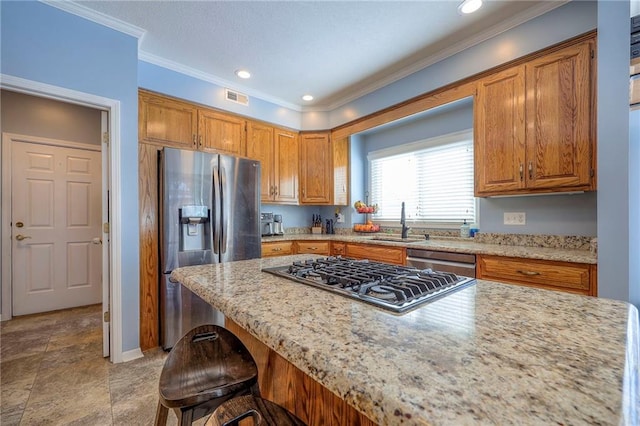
[{"x": 397, "y": 238}]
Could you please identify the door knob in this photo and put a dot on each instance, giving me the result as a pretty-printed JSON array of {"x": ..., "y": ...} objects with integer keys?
[
  {"x": 96, "y": 240},
  {"x": 21, "y": 237}
]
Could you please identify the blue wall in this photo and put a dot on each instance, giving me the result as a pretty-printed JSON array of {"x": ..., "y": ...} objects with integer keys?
[
  {"x": 546, "y": 214},
  {"x": 163, "y": 80},
  {"x": 616, "y": 186},
  {"x": 44, "y": 44},
  {"x": 560, "y": 24}
]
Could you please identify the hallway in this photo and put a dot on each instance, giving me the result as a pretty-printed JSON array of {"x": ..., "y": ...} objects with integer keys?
[{"x": 52, "y": 373}]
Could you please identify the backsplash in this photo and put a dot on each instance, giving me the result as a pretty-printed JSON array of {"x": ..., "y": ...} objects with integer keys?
[
  {"x": 527, "y": 240},
  {"x": 550, "y": 241}
]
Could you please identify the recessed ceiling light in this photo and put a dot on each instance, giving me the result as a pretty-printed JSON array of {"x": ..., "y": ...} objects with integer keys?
[
  {"x": 469, "y": 6},
  {"x": 243, "y": 73},
  {"x": 307, "y": 98}
]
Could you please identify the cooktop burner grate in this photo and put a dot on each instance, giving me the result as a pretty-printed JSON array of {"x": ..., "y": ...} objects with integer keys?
[{"x": 393, "y": 287}]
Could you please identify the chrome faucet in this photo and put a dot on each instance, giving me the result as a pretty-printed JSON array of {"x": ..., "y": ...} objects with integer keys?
[{"x": 403, "y": 222}]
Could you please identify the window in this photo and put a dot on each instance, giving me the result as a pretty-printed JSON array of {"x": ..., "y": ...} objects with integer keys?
[{"x": 433, "y": 177}]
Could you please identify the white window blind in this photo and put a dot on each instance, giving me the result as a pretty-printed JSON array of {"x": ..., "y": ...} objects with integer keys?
[{"x": 434, "y": 178}]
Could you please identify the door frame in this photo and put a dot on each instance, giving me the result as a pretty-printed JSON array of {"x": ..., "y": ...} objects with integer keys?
[{"x": 111, "y": 150}]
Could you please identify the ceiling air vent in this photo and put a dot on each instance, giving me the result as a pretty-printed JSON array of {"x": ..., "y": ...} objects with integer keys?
[{"x": 237, "y": 97}]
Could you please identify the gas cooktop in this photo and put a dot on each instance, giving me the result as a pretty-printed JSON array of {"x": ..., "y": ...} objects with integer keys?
[{"x": 392, "y": 287}]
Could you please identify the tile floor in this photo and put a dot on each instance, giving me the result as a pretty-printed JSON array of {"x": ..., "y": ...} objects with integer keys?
[{"x": 52, "y": 373}]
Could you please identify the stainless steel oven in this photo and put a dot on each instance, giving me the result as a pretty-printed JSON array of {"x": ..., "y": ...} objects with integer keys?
[{"x": 462, "y": 264}]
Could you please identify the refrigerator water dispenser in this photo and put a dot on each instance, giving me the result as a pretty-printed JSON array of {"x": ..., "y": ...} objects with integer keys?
[{"x": 194, "y": 228}]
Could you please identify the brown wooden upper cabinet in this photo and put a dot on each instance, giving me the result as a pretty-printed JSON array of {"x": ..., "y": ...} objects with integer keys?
[
  {"x": 277, "y": 151},
  {"x": 219, "y": 132},
  {"x": 324, "y": 169},
  {"x": 533, "y": 125},
  {"x": 167, "y": 122},
  {"x": 340, "y": 168},
  {"x": 316, "y": 184},
  {"x": 170, "y": 122}
]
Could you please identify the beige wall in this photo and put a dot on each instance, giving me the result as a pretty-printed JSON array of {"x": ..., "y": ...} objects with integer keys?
[{"x": 33, "y": 116}]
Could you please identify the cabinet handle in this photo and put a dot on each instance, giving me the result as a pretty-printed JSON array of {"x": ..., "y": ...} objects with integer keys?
[
  {"x": 530, "y": 169},
  {"x": 200, "y": 141},
  {"x": 271, "y": 190},
  {"x": 277, "y": 249},
  {"x": 521, "y": 171},
  {"x": 528, "y": 273},
  {"x": 313, "y": 248},
  {"x": 195, "y": 143},
  {"x": 275, "y": 190}
]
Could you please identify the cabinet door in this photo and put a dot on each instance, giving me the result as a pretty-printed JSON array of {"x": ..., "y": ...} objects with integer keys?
[
  {"x": 499, "y": 147},
  {"x": 167, "y": 122},
  {"x": 315, "y": 168},
  {"x": 221, "y": 133},
  {"x": 260, "y": 147},
  {"x": 286, "y": 167},
  {"x": 559, "y": 134},
  {"x": 340, "y": 159}
]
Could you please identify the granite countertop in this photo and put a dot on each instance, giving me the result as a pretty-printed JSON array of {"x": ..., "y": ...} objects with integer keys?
[
  {"x": 459, "y": 245},
  {"x": 490, "y": 353}
]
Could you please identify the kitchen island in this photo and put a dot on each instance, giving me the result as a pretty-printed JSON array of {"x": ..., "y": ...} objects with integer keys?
[{"x": 487, "y": 354}]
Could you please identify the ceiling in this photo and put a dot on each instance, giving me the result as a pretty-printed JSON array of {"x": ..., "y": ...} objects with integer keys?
[{"x": 336, "y": 51}]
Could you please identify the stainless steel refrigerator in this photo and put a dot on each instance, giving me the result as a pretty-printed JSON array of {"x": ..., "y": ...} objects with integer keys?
[{"x": 209, "y": 213}]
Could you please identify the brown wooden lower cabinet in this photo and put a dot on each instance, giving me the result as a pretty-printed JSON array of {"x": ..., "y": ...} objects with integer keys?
[
  {"x": 578, "y": 278},
  {"x": 149, "y": 271},
  {"x": 395, "y": 255},
  {"x": 277, "y": 248},
  {"x": 313, "y": 247},
  {"x": 338, "y": 248},
  {"x": 285, "y": 384}
]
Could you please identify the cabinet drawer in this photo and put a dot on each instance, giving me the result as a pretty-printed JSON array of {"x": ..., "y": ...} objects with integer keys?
[
  {"x": 378, "y": 253},
  {"x": 314, "y": 247},
  {"x": 571, "y": 277},
  {"x": 280, "y": 248}
]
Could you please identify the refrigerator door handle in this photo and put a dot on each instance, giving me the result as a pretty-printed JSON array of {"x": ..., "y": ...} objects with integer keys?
[
  {"x": 217, "y": 208},
  {"x": 223, "y": 223}
]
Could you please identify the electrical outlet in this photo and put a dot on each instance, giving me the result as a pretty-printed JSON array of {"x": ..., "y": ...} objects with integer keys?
[{"x": 515, "y": 218}]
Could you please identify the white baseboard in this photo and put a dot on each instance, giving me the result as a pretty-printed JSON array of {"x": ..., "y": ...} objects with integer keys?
[{"x": 131, "y": 355}]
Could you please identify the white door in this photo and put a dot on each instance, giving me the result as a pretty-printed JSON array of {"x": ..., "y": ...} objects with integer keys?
[{"x": 56, "y": 227}]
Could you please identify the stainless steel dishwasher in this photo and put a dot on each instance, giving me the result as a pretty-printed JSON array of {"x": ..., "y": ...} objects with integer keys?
[{"x": 458, "y": 263}]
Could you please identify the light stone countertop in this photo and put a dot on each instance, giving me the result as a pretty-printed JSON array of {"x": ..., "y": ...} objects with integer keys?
[
  {"x": 458, "y": 245},
  {"x": 490, "y": 353}
]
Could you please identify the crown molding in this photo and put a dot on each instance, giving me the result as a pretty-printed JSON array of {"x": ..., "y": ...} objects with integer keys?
[
  {"x": 192, "y": 72},
  {"x": 118, "y": 25},
  {"x": 98, "y": 18},
  {"x": 540, "y": 9}
]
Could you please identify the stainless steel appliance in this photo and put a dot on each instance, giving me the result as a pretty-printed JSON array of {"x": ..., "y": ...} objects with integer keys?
[
  {"x": 266, "y": 224},
  {"x": 458, "y": 263},
  {"x": 278, "y": 227},
  {"x": 392, "y": 287},
  {"x": 209, "y": 213}
]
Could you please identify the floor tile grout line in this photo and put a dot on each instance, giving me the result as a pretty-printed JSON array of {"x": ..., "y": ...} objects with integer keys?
[{"x": 38, "y": 370}]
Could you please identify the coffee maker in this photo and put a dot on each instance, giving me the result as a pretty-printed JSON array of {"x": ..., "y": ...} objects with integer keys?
[
  {"x": 266, "y": 224},
  {"x": 278, "y": 228}
]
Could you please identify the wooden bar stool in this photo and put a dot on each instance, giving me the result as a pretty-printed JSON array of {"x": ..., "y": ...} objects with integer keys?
[
  {"x": 261, "y": 411},
  {"x": 207, "y": 366}
]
